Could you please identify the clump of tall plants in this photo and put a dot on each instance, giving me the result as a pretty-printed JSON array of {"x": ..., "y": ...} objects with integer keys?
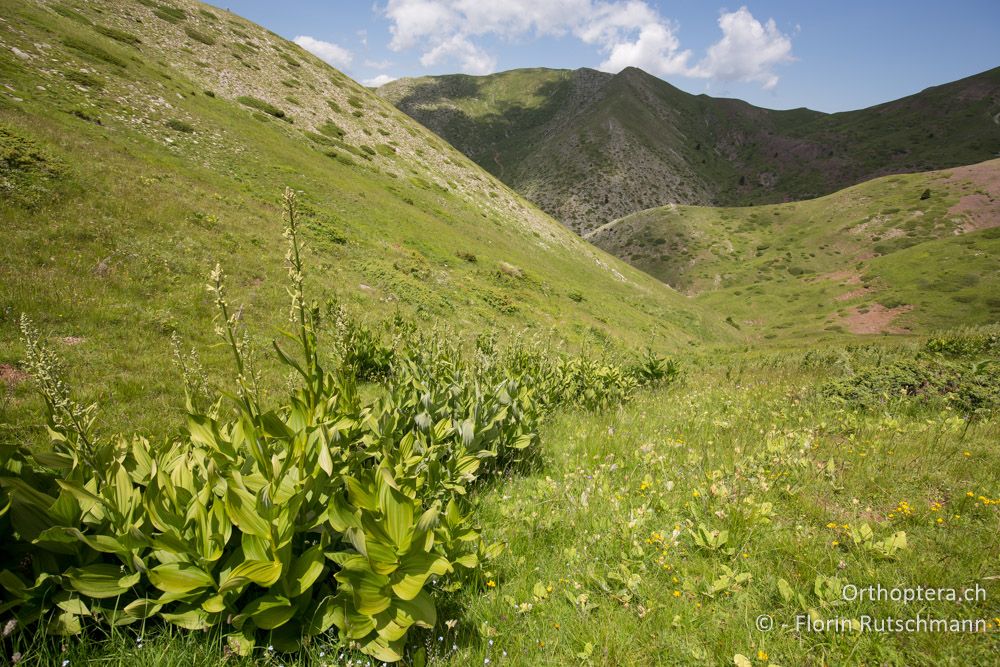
[{"x": 276, "y": 524}]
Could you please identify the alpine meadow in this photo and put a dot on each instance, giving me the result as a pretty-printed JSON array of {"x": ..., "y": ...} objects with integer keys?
[{"x": 532, "y": 367}]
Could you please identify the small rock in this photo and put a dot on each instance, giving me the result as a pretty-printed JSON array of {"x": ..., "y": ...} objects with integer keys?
[
  {"x": 20, "y": 54},
  {"x": 103, "y": 267}
]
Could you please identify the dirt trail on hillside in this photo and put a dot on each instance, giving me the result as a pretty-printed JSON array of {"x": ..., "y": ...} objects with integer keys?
[{"x": 877, "y": 319}]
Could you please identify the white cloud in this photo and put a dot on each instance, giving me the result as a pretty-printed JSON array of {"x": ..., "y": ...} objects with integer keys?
[
  {"x": 379, "y": 80},
  {"x": 627, "y": 33},
  {"x": 378, "y": 64},
  {"x": 336, "y": 55},
  {"x": 748, "y": 50},
  {"x": 654, "y": 50},
  {"x": 472, "y": 59}
]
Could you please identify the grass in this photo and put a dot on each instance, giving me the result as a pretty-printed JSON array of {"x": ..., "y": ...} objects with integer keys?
[
  {"x": 114, "y": 260},
  {"x": 602, "y": 565},
  {"x": 110, "y": 262},
  {"x": 261, "y": 105},
  {"x": 808, "y": 268},
  {"x": 199, "y": 36}
]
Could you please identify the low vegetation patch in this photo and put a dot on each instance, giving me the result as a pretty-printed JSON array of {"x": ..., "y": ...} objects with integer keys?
[
  {"x": 949, "y": 372},
  {"x": 118, "y": 35},
  {"x": 261, "y": 105},
  {"x": 92, "y": 50},
  {"x": 179, "y": 126},
  {"x": 27, "y": 172},
  {"x": 280, "y": 524},
  {"x": 199, "y": 36}
]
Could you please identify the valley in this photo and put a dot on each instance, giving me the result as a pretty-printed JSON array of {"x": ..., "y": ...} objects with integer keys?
[{"x": 542, "y": 367}]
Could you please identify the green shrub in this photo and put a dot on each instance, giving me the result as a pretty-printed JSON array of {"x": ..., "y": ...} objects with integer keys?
[
  {"x": 331, "y": 129},
  {"x": 28, "y": 172},
  {"x": 967, "y": 342},
  {"x": 70, "y": 13},
  {"x": 169, "y": 14},
  {"x": 466, "y": 256},
  {"x": 199, "y": 36},
  {"x": 84, "y": 79},
  {"x": 118, "y": 35},
  {"x": 971, "y": 388},
  {"x": 179, "y": 126},
  {"x": 92, "y": 50},
  {"x": 261, "y": 105},
  {"x": 318, "y": 138}
]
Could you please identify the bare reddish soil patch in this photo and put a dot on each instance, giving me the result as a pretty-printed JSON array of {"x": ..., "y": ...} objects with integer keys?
[
  {"x": 11, "y": 376},
  {"x": 847, "y": 277},
  {"x": 876, "y": 319},
  {"x": 978, "y": 210}
]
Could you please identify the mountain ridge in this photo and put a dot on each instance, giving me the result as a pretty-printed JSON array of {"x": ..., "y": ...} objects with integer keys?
[{"x": 631, "y": 141}]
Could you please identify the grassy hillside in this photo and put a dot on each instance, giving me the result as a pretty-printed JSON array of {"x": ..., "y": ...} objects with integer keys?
[
  {"x": 589, "y": 147},
  {"x": 659, "y": 532},
  {"x": 142, "y": 142},
  {"x": 905, "y": 253}
]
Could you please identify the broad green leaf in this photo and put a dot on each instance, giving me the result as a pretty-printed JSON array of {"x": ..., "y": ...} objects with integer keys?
[
  {"x": 414, "y": 570},
  {"x": 64, "y": 624},
  {"x": 785, "y": 590},
  {"x": 305, "y": 571},
  {"x": 100, "y": 581},
  {"x": 371, "y": 591},
  {"x": 215, "y": 604},
  {"x": 420, "y": 610},
  {"x": 178, "y": 578},
  {"x": 262, "y": 573},
  {"x": 242, "y": 507},
  {"x": 190, "y": 619},
  {"x": 142, "y": 608},
  {"x": 74, "y": 606},
  {"x": 387, "y": 651},
  {"x": 269, "y": 611},
  {"x": 240, "y": 643},
  {"x": 398, "y": 510}
]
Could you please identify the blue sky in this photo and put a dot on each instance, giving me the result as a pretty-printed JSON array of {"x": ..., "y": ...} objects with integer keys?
[{"x": 830, "y": 56}]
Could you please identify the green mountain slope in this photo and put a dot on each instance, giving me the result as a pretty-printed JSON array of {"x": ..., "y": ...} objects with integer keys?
[
  {"x": 590, "y": 147},
  {"x": 142, "y": 142},
  {"x": 898, "y": 254}
]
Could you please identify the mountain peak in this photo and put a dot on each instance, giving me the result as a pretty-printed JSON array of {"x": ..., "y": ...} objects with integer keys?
[{"x": 589, "y": 147}]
